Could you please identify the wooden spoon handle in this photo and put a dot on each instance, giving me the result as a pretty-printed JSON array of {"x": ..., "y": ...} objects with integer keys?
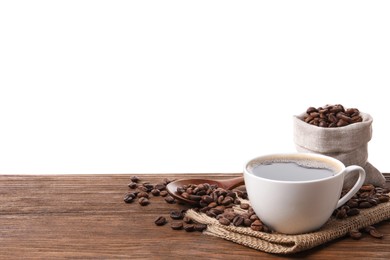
[{"x": 232, "y": 183}]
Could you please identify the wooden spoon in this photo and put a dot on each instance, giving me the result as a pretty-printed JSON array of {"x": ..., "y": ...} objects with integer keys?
[{"x": 227, "y": 184}]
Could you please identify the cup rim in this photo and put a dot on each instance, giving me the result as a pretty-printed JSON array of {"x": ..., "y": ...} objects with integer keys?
[{"x": 319, "y": 157}]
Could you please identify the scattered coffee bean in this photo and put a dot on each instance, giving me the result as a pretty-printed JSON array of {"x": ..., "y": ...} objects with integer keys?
[
  {"x": 129, "y": 197},
  {"x": 200, "y": 227},
  {"x": 177, "y": 225},
  {"x": 163, "y": 193},
  {"x": 188, "y": 227},
  {"x": 373, "y": 232},
  {"x": 155, "y": 192},
  {"x": 355, "y": 234},
  {"x": 160, "y": 221},
  {"x": 148, "y": 186},
  {"x": 332, "y": 116},
  {"x": 169, "y": 199},
  {"x": 160, "y": 186},
  {"x": 134, "y": 179},
  {"x": 142, "y": 188},
  {"x": 132, "y": 185},
  {"x": 143, "y": 194},
  {"x": 143, "y": 201},
  {"x": 177, "y": 214}
]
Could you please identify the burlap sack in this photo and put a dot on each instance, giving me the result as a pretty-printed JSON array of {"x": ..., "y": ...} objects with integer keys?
[
  {"x": 288, "y": 244},
  {"x": 347, "y": 144}
]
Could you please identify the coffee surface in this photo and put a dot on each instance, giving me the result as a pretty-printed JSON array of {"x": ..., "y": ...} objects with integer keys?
[{"x": 291, "y": 171}]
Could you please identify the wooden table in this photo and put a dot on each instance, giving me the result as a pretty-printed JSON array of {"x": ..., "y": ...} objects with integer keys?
[{"x": 84, "y": 216}]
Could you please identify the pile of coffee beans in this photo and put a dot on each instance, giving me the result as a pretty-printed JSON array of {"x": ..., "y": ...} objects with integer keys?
[
  {"x": 357, "y": 234},
  {"x": 140, "y": 191},
  {"x": 332, "y": 116},
  {"x": 368, "y": 196},
  {"x": 229, "y": 207},
  {"x": 219, "y": 203}
]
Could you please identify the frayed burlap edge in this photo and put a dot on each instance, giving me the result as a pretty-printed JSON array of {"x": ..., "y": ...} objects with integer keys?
[{"x": 288, "y": 244}]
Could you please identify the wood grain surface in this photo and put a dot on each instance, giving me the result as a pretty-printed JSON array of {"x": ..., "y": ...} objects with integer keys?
[{"x": 84, "y": 216}]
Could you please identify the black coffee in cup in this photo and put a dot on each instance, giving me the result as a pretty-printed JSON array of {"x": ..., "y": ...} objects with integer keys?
[{"x": 293, "y": 171}]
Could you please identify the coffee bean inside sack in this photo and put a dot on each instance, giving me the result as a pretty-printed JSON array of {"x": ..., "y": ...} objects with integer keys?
[
  {"x": 232, "y": 208},
  {"x": 332, "y": 116}
]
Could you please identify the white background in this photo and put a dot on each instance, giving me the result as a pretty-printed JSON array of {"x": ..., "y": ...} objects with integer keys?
[{"x": 181, "y": 86}]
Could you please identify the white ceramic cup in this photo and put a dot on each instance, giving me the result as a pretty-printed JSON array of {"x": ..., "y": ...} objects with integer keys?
[{"x": 296, "y": 207}]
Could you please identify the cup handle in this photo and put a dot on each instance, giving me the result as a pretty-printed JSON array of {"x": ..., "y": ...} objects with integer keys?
[{"x": 356, "y": 187}]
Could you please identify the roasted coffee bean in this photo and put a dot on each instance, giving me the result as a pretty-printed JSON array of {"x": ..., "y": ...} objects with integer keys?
[
  {"x": 166, "y": 181},
  {"x": 257, "y": 225},
  {"x": 355, "y": 234},
  {"x": 177, "y": 225},
  {"x": 229, "y": 215},
  {"x": 142, "y": 188},
  {"x": 383, "y": 198},
  {"x": 132, "y": 185},
  {"x": 211, "y": 214},
  {"x": 373, "y": 202},
  {"x": 155, "y": 192},
  {"x": 365, "y": 205},
  {"x": 253, "y": 217},
  {"x": 238, "y": 221},
  {"x": 368, "y": 187},
  {"x": 143, "y": 201},
  {"x": 194, "y": 197},
  {"x": 219, "y": 209},
  {"x": 224, "y": 221},
  {"x": 353, "y": 212},
  {"x": 244, "y": 205},
  {"x": 352, "y": 203},
  {"x": 159, "y": 186},
  {"x": 160, "y": 221},
  {"x": 129, "y": 197},
  {"x": 207, "y": 199},
  {"x": 185, "y": 195},
  {"x": 373, "y": 232},
  {"x": 200, "y": 227},
  {"x": 203, "y": 204},
  {"x": 143, "y": 194},
  {"x": 212, "y": 205},
  {"x": 169, "y": 199},
  {"x": 311, "y": 110},
  {"x": 341, "y": 214},
  {"x": 177, "y": 214},
  {"x": 188, "y": 227},
  {"x": 135, "y": 179},
  {"x": 204, "y": 209},
  {"x": 163, "y": 193},
  {"x": 247, "y": 222},
  {"x": 148, "y": 186},
  {"x": 220, "y": 199},
  {"x": 227, "y": 201}
]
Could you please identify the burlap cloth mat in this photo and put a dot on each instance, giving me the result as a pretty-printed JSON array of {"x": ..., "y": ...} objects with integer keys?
[{"x": 288, "y": 244}]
